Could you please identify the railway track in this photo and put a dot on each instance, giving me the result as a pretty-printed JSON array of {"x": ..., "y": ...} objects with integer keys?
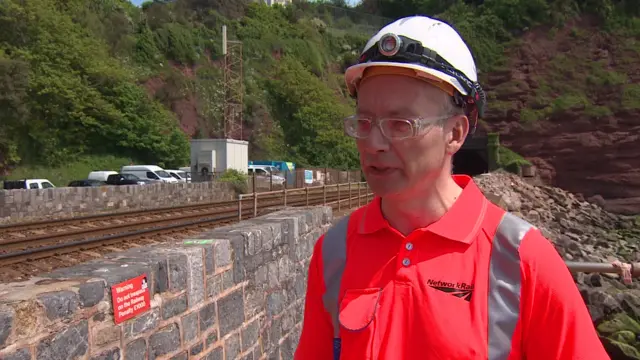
[
  {"x": 81, "y": 238},
  {"x": 70, "y": 228},
  {"x": 22, "y": 230}
]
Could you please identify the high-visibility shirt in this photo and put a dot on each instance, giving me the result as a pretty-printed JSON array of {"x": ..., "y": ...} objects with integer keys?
[{"x": 479, "y": 283}]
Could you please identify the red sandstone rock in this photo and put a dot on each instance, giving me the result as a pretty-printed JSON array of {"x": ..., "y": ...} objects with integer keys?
[{"x": 573, "y": 148}]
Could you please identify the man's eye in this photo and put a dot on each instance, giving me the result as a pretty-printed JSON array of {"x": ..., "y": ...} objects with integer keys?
[
  {"x": 363, "y": 124},
  {"x": 399, "y": 125}
]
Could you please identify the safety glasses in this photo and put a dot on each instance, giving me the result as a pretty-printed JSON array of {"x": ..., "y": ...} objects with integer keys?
[{"x": 393, "y": 128}]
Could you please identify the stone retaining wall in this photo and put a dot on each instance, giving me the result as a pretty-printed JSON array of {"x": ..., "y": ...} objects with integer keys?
[
  {"x": 38, "y": 204},
  {"x": 235, "y": 293}
]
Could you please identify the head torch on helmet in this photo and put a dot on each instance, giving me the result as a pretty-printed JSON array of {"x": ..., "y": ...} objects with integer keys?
[
  {"x": 398, "y": 48},
  {"x": 389, "y": 45}
]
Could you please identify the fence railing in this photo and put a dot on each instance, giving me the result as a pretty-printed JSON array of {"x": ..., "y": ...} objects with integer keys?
[
  {"x": 300, "y": 178},
  {"x": 325, "y": 186},
  {"x": 352, "y": 193},
  {"x": 260, "y": 180}
]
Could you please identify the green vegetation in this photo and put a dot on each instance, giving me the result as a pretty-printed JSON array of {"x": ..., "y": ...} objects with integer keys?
[
  {"x": 631, "y": 96},
  {"x": 237, "y": 179},
  {"x": 570, "y": 74},
  {"x": 622, "y": 332},
  {"x": 574, "y": 72},
  {"x": 86, "y": 80},
  {"x": 510, "y": 160},
  {"x": 65, "y": 95},
  {"x": 495, "y": 25}
]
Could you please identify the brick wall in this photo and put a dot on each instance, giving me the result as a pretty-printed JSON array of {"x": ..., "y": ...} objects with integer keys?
[
  {"x": 36, "y": 204},
  {"x": 237, "y": 293}
]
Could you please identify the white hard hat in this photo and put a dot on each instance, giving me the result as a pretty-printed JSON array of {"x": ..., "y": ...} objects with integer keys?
[{"x": 425, "y": 48}]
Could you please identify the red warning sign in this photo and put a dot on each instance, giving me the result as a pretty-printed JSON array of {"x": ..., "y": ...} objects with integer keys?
[{"x": 130, "y": 298}]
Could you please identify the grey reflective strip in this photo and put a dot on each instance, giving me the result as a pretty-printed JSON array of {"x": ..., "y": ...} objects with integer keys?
[
  {"x": 504, "y": 285},
  {"x": 334, "y": 256}
]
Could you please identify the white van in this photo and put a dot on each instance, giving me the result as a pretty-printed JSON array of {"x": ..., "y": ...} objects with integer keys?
[
  {"x": 179, "y": 175},
  {"x": 100, "y": 175},
  {"x": 151, "y": 172}
]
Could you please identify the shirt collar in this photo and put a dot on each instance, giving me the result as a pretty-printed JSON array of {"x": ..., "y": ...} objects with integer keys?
[{"x": 460, "y": 223}]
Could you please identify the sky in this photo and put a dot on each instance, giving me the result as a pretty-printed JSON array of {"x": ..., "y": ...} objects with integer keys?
[{"x": 138, "y": 2}]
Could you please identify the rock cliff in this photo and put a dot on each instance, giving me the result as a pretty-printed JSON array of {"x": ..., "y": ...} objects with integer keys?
[
  {"x": 583, "y": 231},
  {"x": 568, "y": 99}
]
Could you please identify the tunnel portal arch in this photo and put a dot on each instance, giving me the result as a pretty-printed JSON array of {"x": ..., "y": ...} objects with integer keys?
[{"x": 473, "y": 158}]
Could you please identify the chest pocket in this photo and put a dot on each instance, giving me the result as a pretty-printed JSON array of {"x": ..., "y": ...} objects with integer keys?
[
  {"x": 354, "y": 315},
  {"x": 357, "y": 319}
]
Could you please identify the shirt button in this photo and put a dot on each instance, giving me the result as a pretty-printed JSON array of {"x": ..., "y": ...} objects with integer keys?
[
  {"x": 406, "y": 262},
  {"x": 409, "y": 246}
]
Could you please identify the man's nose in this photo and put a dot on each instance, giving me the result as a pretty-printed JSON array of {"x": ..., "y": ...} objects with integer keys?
[{"x": 375, "y": 142}]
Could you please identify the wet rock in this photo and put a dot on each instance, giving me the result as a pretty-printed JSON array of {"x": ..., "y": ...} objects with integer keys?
[
  {"x": 620, "y": 322},
  {"x": 620, "y": 351}
]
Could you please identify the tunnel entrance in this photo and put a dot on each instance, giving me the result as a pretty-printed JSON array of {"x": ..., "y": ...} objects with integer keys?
[
  {"x": 473, "y": 158},
  {"x": 470, "y": 162}
]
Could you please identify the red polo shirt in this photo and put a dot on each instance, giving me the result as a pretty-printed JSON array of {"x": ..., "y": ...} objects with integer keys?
[{"x": 428, "y": 295}]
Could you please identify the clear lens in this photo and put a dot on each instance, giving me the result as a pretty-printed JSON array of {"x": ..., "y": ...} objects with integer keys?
[
  {"x": 396, "y": 128},
  {"x": 357, "y": 127},
  {"x": 391, "y": 128}
]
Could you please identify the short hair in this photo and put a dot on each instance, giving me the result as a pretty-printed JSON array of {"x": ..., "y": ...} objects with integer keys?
[{"x": 449, "y": 107}]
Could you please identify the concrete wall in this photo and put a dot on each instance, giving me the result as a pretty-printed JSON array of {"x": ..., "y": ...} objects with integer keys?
[
  {"x": 36, "y": 204},
  {"x": 238, "y": 294}
]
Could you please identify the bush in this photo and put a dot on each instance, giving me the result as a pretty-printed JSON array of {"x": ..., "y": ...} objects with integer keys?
[
  {"x": 511, "y": 161},
  {"x": 237, "y": 179},
  {"x": 631, "y": 97},
  {"x": 514, "y": 168}
]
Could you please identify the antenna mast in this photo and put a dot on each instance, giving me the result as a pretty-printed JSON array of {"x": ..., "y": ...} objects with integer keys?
[{"x": 233, "y": 87}]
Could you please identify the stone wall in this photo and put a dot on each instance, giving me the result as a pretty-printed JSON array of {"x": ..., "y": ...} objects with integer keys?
[
  {"x": 37, "y": 204},
  {"x": 236, "y": 292}
]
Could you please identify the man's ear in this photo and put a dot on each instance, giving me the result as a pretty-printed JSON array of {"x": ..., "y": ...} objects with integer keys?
[{"x": 457, "y": 131}]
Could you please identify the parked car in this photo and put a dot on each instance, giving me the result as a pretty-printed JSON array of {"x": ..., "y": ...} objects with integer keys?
[
  {"x": 86, "y": 183},
  {"x": 126, "y": 179},
  {"x": 27, "y": 184},
  {"x": 264, "y": 173},
  {"x": 179, "y": 175},
  {"x": 187, "y": 171},
  {"x": 150, "y": 172}
]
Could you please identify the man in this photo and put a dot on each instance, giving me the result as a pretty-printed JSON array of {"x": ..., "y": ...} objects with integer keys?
[{"x": 430, "y": 269}]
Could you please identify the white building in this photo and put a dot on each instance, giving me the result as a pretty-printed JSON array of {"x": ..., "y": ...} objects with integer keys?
[{"x": 217, "y": 155}]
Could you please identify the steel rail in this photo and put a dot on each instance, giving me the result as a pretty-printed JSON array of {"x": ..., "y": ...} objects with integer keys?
[
  {"x": 15, "y": 227},
  {"x": 230, "y": 215},
  {"x": 65, "y": 248},
  {"x": 31, "y": 225},
  {"x": 12, "y": 244}
]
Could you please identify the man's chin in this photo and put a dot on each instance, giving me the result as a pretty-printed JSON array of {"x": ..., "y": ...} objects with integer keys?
[{"x": 388, "y": 189}]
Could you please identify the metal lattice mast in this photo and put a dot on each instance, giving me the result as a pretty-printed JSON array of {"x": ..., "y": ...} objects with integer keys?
[{"x": 233, "y": 87}]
